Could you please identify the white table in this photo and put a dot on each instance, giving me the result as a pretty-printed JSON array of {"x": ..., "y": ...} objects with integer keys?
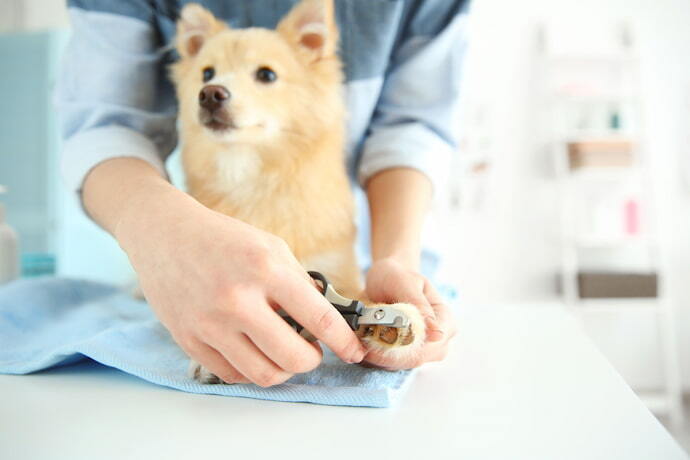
[{"x": 522, "y": 382}]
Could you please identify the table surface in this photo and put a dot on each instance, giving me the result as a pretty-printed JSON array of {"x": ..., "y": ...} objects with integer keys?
[{"x": 521, "y": 382}]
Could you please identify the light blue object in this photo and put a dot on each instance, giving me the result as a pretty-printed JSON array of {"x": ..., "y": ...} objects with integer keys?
[
  {"x": 34, "y": 265},
  {"x": 48, "y": 322},
  {"x": 29, "y": 137}
]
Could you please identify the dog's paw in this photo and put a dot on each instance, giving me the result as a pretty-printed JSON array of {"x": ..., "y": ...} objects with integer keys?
[
  {"x": 396, "y": 341},
  {"x": 202, "y": 375}
]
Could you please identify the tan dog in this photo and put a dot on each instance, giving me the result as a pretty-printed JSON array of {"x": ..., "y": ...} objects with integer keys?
[{"x": 263, "y": 125}]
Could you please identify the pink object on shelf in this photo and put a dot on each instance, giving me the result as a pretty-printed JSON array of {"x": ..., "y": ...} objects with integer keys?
[{"x": 632, "y": 217}]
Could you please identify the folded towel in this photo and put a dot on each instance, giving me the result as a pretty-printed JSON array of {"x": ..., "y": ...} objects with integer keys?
[{"x": 47, "y": 322}]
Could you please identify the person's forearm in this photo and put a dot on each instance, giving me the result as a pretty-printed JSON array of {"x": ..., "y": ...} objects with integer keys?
[
  {"x": 123, "y": 190},
  {"x": 399, "y": 200}
]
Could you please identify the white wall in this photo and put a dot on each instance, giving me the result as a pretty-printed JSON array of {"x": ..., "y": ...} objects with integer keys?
[
  {"x": 18, "y": 15},
  {"x": 509, "y": 250}
]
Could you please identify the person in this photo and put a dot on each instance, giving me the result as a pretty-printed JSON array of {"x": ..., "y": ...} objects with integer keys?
[{"x": 201, "y": 269}]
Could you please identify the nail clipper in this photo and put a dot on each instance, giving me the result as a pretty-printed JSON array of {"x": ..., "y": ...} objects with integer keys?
[{"x": 354, "y": 311}]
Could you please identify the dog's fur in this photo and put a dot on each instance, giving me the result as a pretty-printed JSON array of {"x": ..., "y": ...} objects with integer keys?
[{"x": 272, "y": 155}]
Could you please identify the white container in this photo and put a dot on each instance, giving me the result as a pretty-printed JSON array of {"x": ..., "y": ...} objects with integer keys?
[{"x": 9, "y": 248}]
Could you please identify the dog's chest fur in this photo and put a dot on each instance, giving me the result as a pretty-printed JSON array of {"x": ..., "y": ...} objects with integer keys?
[
  {"x": 308, "y": 214},
  {"x": 238, "y": 173}
]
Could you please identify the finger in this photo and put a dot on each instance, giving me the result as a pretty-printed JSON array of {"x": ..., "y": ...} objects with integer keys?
[
  {"x": 414, "y": 292},
  {"x": 281, "y": 344},
  {"x": 390, "y": 361},
  {"x": 212, "y": 360},
  {"x": 444, "y": 314},
  {"x": 431, "y": 293},
  {"x": 436, "y": 351},
  {"x": 437, "y": 304},
  {"x": 310, "y": 308},
  {"x": 241, "y": 352}
]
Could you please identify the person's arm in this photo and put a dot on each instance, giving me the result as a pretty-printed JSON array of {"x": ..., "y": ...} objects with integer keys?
[
  {"x": 399, "y": 199},
  {"x": 115, "y": 189},
  {"x": 212, "y": 280},
  {"x": 405, "y": 157}
]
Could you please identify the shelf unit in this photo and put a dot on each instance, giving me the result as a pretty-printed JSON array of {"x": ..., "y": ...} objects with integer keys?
[{"x": 575, "y": 184}]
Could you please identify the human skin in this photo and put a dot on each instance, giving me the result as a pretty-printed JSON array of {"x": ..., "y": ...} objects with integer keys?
[
  {"x": 199, "y": 282},
  {"x": 399, "y": 199}
]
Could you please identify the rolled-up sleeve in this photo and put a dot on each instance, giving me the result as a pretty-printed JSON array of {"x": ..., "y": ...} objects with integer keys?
[
  {"x": 112, "y": 96},
  {"x": 415, "y": 121}
]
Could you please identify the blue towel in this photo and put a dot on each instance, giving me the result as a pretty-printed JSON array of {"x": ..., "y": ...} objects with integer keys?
[{"x": 47, "y": 322}]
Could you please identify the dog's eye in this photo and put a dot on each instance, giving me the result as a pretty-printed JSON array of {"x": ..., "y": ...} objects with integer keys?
[
  {"x": 208, "y": 73},
  {"x": 266, "y": 75}
]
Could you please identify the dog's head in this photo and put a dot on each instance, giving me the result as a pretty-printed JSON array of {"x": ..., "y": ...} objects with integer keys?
[{"x": 258, "y": 86}]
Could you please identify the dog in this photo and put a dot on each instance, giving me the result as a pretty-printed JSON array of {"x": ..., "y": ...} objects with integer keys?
[{"x": 262, "y": 119}]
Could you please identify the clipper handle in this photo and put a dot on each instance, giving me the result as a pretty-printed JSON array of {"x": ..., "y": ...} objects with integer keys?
[
  {"x": 351, "y": 320},
  {"x": 349, "y": 309},
  {"x": 308, "y": 336}
]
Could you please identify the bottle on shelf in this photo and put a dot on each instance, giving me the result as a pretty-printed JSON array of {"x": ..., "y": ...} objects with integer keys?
[{"x": 9, "y": 248}]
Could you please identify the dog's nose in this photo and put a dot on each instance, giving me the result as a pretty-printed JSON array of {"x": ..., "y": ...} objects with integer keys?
[{"x": 211, "y": 97}]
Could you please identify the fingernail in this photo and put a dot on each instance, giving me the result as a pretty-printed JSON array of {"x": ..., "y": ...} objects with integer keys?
[
  {"x": 435, "y": 335},
  {"x": 431, "y": 322},
  {"x": 358, "y": 357}
]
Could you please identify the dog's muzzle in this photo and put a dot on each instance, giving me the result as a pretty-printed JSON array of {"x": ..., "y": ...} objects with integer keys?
[{"x": 213, "y": 112}]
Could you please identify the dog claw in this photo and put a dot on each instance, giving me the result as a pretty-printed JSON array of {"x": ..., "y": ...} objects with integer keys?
[{"x": 203, "y": 375}]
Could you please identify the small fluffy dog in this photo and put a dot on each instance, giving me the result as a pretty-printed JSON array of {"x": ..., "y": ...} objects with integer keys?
[{"x": 263, "y": 124}]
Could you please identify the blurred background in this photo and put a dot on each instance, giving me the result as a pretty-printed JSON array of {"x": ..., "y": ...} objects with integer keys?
[{"x": 571, "y": 184}]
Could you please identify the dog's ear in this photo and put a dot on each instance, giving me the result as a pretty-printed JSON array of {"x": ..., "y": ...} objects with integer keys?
[
  {"x": 195, "y": 26},
  {"x": 310, "y": 26}
]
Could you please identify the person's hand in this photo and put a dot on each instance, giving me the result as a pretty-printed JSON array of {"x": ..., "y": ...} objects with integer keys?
[
  {"x": 390, "y": 281},
  {"x": 215, "y": 283}
]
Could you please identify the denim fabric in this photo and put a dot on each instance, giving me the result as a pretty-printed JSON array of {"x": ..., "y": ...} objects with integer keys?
[{"x": 402, "y": 61}]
